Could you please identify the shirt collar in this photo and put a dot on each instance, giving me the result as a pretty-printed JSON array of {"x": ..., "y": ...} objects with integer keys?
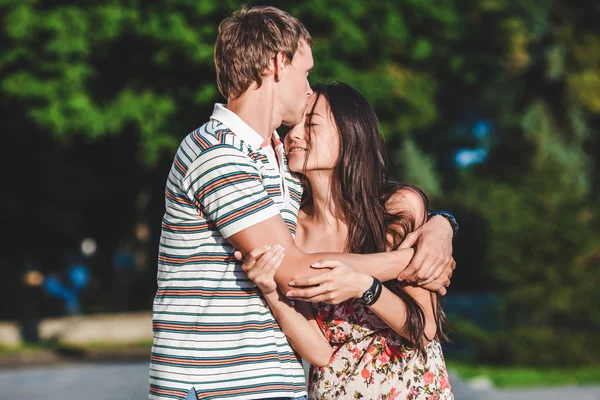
[
  {"x": 241, "y": 129},
  {"x": 276, "y": 141}
]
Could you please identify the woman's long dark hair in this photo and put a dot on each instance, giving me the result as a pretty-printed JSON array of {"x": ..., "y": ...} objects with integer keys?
[{"x": 361, "y": 190}]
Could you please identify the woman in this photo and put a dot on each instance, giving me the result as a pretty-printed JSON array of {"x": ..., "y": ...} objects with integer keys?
[{"x": 384, "y": 344}]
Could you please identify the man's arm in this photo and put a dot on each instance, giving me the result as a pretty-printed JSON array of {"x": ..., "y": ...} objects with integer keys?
[
  {"x": 225, "y": 186},
  {"x": 405, "y": 200},
  {"x": 296, "y": 263},
  {"x": 433, "y": 263}
]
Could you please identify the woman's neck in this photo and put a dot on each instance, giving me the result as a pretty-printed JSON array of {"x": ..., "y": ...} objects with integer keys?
[{"x": 323, "y": 209}]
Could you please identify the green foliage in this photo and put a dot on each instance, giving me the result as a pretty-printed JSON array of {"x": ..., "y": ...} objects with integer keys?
[
  {"x": 104, "y": 70},
  {"x": 108, "y": 68},
  {"x": 419, "y": 168},
  {"x": 513, "y": 377},
  {"x": 544, "y": 254}
]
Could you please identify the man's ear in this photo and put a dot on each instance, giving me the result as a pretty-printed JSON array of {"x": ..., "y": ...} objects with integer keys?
[{"x": 278, "y": 65}]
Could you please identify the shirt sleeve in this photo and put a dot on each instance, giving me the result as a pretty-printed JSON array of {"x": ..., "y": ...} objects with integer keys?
[{"x": 226, "y": 187}]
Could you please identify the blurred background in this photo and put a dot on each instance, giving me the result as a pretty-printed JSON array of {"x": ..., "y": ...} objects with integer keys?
[{"x": 491, "y": 106}]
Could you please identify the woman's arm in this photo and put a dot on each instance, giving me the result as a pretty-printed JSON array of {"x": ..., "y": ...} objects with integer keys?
[
  {"x": 299, "y": 324},
  {"x": 392, "y": 310},
  {"x": 385, "y": 266},
  {"x": 389, "y": 307},
  {"x": 303, "y": 334},
  {"x": 409, "y": 202}
]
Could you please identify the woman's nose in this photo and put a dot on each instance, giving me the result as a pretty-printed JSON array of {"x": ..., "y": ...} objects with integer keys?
[{"x": 297, "y": 132}]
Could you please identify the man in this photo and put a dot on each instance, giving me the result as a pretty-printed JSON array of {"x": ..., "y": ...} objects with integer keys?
[{"x": 229, "y": 188}]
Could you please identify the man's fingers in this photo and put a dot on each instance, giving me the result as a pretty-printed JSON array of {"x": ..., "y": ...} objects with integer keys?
[
  {"x": 427, "y": 270},
  {"x": 441, "y": 274},
  {"x": 442, "y": 291},
  {"x": 408, "y": 271},
  {"x": 238, "y": 255},
  {"x": 408, "y": 241},
  {"x": 438, "y": 271},
  {"x": 416, "y": 263},
  {"x": 442, "y": 270}
]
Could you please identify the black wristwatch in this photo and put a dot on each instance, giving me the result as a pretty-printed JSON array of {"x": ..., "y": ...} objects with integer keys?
[
  {"x": 450, "y": 217},
  {"x": 371, "y": 295}
]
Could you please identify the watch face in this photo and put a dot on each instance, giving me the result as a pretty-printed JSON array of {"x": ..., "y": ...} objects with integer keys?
[{"x": 367, "y": 297}]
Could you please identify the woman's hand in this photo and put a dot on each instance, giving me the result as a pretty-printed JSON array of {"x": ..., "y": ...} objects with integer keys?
[
  {"x": 261, "y": 264},
  {"x": 340, "y": 283}
]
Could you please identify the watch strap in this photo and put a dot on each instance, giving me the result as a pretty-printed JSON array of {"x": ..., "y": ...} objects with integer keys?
[
  {"x": 449, "y": 217},
  {"x": 371, "y": 295}
]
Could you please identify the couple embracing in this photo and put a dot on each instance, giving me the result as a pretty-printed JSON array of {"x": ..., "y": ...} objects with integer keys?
[{"x": 274, "y": 251}]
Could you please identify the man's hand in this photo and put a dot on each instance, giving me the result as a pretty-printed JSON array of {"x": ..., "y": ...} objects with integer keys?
[
  {"x": 340, "y": 283},
  {"x": 440, "y": 284},
  {"x": 432, "y": 265}
]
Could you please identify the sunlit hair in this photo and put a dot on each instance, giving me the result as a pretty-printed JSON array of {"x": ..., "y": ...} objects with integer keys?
[
  {"x": 247, "y": 42},
  {"x": 361, "y": 189}
]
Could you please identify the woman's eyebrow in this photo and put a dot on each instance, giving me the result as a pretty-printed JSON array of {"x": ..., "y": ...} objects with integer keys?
[{"x": 312, "y": 114}]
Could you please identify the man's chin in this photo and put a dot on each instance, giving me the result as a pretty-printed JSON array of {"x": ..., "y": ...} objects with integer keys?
[{"x": 293, "y": 121}]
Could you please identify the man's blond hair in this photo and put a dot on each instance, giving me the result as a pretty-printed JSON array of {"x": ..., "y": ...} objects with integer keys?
[{"x": 248, "y": 41}]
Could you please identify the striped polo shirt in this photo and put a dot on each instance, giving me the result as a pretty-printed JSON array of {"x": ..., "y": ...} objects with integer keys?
[{"x": 212, "y": 328}]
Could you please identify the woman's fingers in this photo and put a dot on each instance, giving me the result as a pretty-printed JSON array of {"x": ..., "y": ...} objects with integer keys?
[
  {"x": 275, "y": 264},
  {"x": 317, "y": 279},
  {"x": 307, "y": 293},
  {"x": 263, "y": 271},
  {"x": 265, "y": 262},
  {"x": 310, "y": 280},
  {"x": 256, "y": 257},
  {"x": 328, "y": 297},
  {"x": 253, "y": 255},
  {"x": 326, "y": 264}
]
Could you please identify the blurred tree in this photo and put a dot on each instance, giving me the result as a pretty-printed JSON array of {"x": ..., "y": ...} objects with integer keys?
[
  {"x": 536, "y": 190},
  {"x": 492, "y": 106}
]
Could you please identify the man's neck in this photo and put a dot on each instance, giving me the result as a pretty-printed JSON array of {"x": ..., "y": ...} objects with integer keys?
[{"x": 256, "y": 107}]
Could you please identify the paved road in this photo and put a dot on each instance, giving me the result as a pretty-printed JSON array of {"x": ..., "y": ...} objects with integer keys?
[{"x": 129, "y": 381}]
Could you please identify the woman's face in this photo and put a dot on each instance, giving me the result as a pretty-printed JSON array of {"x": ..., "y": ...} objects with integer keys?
[{"x": 314, "y": 142}]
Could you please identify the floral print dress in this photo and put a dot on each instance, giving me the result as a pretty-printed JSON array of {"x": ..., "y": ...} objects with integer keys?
[{"x": 371, "y": 361}]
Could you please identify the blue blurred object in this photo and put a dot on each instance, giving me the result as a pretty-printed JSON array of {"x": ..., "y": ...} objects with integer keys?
[
  {"x": 124, "y": 261},
  {"x": 467, "y": 157},
  {"x": 79, "y": 275},
  {"x": 71, "y": 301},
  {"x": 53, "y": 287},
  {"x": 481, "y": 129}
]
